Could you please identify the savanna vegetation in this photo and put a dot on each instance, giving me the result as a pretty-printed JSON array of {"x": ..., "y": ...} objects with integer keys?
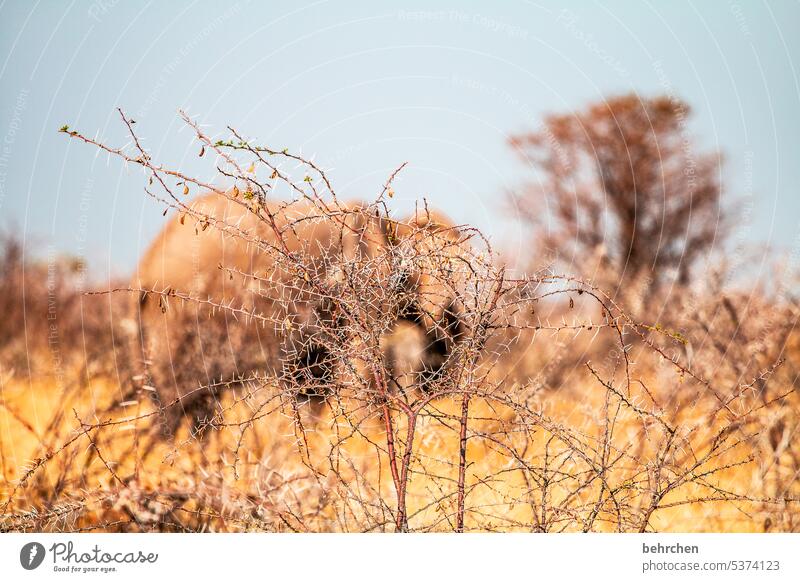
[{"x": 324, "y": 365}]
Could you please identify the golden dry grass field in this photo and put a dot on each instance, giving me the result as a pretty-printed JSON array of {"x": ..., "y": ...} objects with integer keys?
[
  {"x": 573, "y": 458},
  {"x": 397, "y": 375}
]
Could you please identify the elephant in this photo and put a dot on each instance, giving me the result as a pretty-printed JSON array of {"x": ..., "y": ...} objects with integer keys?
[{"x": 230, "y": 288}]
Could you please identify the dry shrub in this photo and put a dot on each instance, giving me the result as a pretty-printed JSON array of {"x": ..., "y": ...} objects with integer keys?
[
  {"x": 623, "y": 195},
  {"x": 44, "y": 310},
  {"x": 675, "y": 431}
]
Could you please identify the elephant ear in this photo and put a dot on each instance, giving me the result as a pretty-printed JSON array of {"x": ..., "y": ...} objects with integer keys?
[
  {"x": 362, "y": 234},
  {"x": 428, "y": 242}
]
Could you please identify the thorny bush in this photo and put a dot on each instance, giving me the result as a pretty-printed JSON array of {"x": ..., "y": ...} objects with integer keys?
[{"x": 402, "y": 383}]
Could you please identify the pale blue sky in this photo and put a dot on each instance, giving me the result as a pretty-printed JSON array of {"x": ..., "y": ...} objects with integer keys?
[{"x": 365, "y": 86}]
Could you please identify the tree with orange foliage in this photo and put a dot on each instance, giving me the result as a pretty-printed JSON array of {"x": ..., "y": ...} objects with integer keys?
[{"x": 619, "y": 193}]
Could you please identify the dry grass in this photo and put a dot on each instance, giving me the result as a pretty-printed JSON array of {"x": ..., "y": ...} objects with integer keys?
[
  {"x": 555, "y": 412},
  {"x": 279, "y": 484}
]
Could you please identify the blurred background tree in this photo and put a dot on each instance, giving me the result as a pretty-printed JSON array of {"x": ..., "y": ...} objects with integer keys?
[{"x": 620, "y": 195}]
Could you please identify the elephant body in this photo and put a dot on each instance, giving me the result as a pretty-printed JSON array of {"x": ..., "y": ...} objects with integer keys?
[{"x": 226, "y": 292}]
